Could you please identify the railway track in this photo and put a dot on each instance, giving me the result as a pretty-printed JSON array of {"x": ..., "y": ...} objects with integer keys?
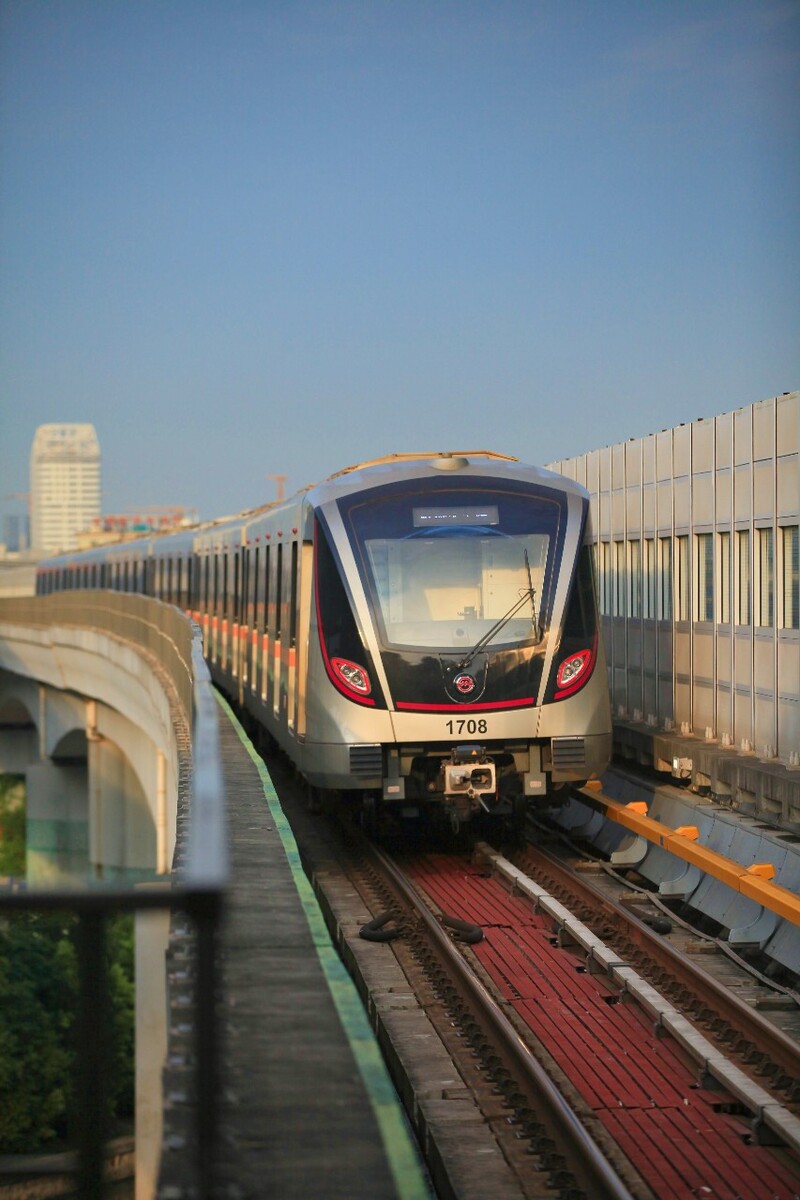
[
  {"x": 753, "y": 1017},
  {"x": 563, "y": 1054}
]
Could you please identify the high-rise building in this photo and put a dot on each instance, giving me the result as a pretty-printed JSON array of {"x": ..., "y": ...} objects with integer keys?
[{"x": 65, "y": 485}]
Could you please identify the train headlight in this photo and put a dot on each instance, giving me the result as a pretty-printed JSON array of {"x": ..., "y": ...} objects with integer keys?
[
  {"x": 352, "y": 675},
  {"x": 572, "y": 671}
]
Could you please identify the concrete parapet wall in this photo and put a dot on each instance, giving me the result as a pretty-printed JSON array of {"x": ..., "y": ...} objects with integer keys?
[
  {"x": 99, "y": 696},
  {"x": 94, "y": 696}
]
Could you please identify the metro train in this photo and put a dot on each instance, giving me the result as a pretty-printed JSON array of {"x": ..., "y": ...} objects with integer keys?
[{"x": 417, "y": 633}]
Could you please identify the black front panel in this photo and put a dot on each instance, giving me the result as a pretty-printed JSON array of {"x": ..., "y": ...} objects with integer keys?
[{"x": 340, "y": 638}]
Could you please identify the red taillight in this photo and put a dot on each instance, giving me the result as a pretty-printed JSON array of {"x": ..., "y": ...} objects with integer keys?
[
  {"x": 352, "y": 675},
  {"x": 573, "y": 672}
]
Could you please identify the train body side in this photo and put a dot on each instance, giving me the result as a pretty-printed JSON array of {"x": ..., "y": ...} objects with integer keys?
[{"x": 348, "y": 620}]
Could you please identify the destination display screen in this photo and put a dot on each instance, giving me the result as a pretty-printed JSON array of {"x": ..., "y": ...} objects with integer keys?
[{"x": 444, "y": 516}]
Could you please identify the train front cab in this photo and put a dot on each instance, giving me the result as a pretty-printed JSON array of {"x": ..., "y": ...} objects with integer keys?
[{"x": 463, "y": 626}]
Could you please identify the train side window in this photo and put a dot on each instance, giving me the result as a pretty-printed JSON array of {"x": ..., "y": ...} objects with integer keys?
[
  {"x": 293, "y": 598},
  {"x": 268, "y": 565},
  {"x": 254, "y": 599},
  {"x": 237, "y": 555},
  {"x": 278, "y": 589},
  {"x": 245, "y": 586}
]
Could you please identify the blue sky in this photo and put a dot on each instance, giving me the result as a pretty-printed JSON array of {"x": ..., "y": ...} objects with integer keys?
[{"x": 245, "y": 238}]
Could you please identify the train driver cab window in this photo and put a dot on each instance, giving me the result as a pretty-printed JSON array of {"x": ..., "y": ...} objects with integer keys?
[{"x": 445, "y": 574}]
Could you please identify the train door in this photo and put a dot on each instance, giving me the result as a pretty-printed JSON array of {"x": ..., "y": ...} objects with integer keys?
[
  {"x": 233, "y": 611},
  {"x": 204, "y": 602},
  {"x": 291, "y": 648},
  {"x": 265, "y": 624},
  {"x": 224, "y": 613},
  {"x": 214, "y": 593},
  {"x": 244, "y": 622},
  {"x": 252, "y": 619}
]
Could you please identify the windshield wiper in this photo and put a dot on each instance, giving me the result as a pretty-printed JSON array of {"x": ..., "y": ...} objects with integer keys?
[
  {"x": 528, "y": 594},
  {"x": 532, "y": 593}
]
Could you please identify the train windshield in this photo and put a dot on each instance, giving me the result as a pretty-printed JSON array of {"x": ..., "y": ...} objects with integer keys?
[{"x": 475, "y": 564}]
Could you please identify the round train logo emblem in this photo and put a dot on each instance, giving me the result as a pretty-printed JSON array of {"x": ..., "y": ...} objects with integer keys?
[{"x": 465, "y": 684}]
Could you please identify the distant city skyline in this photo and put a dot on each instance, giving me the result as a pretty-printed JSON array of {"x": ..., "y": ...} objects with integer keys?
[{"x": 249, "y": 240}]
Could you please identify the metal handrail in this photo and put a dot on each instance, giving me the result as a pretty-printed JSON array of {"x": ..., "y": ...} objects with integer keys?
[{"x": 197, "y": 888}]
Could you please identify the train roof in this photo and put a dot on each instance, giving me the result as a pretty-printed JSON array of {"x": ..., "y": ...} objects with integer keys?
[
  {"x": 443, "y": 458},
  {"x": 469, "y": 463},
  {"x": 370, "y": 473}
]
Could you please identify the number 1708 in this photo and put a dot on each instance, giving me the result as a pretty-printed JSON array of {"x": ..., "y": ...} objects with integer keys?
[{"x": 471, "y": 726}]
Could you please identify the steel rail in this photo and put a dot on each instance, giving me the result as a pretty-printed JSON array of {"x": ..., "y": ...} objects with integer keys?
[
  {"x": 591, "y": 1169},
  {"x": 780, "y": 1048}
]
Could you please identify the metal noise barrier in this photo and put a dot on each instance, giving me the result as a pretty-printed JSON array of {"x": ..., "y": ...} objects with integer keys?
[{"x": 198, "y": 889}]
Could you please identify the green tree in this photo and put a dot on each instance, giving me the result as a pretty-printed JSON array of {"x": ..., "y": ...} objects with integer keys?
[
  {"x": 37, "y": 1005},
  {"x": 122, "y": 997},
  {"x": 12, "y": 825}
]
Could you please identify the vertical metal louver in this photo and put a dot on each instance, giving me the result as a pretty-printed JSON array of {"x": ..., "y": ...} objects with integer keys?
[
  {"x": 569, "y": 753},
  {"x": 366, "y": 760}
]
